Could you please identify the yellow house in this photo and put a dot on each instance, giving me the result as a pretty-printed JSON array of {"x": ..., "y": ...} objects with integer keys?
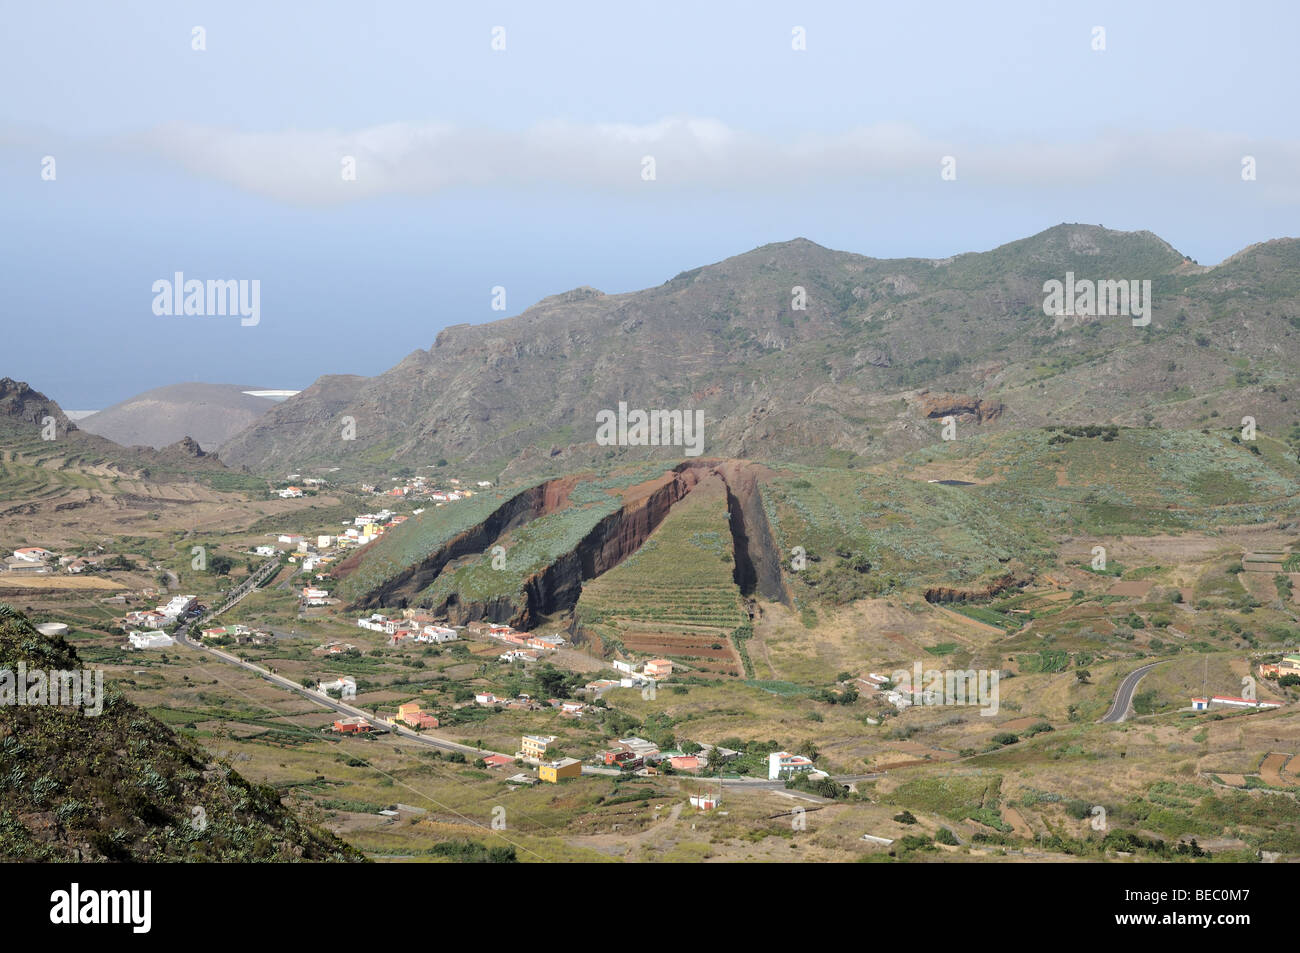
[
  {"x": 534, "y": 746},
  {"x": 556, "y": 771},
  {"x": 408, "y": 713}
]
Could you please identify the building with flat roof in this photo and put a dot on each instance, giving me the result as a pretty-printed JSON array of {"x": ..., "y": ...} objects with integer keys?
[
  {"x": 150, "y": 640},
  {"x": 1230, "y": 701},
  {"x": 534, "y": 746},
  {"x": 556, "y": 771},
  {"x": 355, "y": 725}
]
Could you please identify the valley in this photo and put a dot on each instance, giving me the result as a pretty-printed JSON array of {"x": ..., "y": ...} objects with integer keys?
[{"x": 504, "y": 638}]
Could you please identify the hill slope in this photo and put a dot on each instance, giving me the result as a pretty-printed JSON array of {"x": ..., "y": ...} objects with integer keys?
[
  {"x": 208, "y": 413},
  {"x": 121, "y": 785},
  {"x": 883, "y": 350}
]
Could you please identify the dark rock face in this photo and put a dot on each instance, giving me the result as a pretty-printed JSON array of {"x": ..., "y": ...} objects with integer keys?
[
  {"x": 26, "y": 406},
  {"x": 401, "y": 589},
  {"x": 615, "y": 537},
  {"x": 186, "y": 446},
  {"x": 758, "y": 561},
  {"x": 961, "y": 406},
  {"x": 1001, "y": 584}
]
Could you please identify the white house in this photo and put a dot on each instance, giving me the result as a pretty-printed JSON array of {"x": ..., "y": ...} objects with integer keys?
[
  {"x": 149, "y": 618},
  {"x": 150, "y": 640},
  {"x": 265, "y": 550},
  {"x": 1201, "y": 704},
  {"x": 783, "y": 763},
  {"x": 345, "y": 686},
  {"x": 178, "y": 606},
  {"x": 32, "y": 554}
]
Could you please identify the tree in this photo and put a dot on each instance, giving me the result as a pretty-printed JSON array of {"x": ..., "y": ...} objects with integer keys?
[
  {"x": 1083, "y": 675},
  {"x": 827, "y": 787},
  {"x": 551, "y": 682}
]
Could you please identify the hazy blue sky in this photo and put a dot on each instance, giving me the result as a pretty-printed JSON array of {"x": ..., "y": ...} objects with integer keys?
[{"x": 522, "y": 167}]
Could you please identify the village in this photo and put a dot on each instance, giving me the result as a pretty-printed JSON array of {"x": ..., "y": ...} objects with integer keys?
[{"x": 527, "y": 708}]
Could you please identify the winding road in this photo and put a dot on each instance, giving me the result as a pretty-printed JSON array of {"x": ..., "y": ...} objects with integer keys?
[{"x": 1119, "y": 708}]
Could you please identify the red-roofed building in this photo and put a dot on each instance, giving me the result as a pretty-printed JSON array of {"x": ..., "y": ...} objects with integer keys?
[
  {"x": 658, "y": 668},
  {"x": 352, "y": 726}
]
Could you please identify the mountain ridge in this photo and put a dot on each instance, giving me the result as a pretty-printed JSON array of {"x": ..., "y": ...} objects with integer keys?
[{"x": 840, "y": 379}]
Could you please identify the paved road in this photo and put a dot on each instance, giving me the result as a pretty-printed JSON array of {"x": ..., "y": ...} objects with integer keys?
[
  {"x": 339, "y": 706},
  {"x": 1119, "y": 708},
  {"x": 250, "y": 584},
  {"x": 182, "y": 636}
]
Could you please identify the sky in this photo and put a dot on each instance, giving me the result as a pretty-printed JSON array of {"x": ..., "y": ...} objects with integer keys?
[{"x": 504, "y": 145}]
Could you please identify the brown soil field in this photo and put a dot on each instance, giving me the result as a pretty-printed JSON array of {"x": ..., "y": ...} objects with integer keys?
[
  {"x": 677, "y": 643},
  {"x": 1014, "y": 818},
  {"x": 1271, "y": 770},
  {"x": 1019, "y": 724},
  {"x": 1137, "y": 588}
]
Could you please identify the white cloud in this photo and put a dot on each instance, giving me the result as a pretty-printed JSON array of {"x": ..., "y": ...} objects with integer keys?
[{"x": 417, "y": 158}]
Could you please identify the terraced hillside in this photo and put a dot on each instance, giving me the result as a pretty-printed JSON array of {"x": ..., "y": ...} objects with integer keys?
[
  {"x": 59, "y": 484},
  {"x": 518, "y": 559},
  {"x": 870, "y": 532},
  {"x": 512, "y": 556},
  {"x": 959, "y": 520},
  {"x": 677, "y": 595}
]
